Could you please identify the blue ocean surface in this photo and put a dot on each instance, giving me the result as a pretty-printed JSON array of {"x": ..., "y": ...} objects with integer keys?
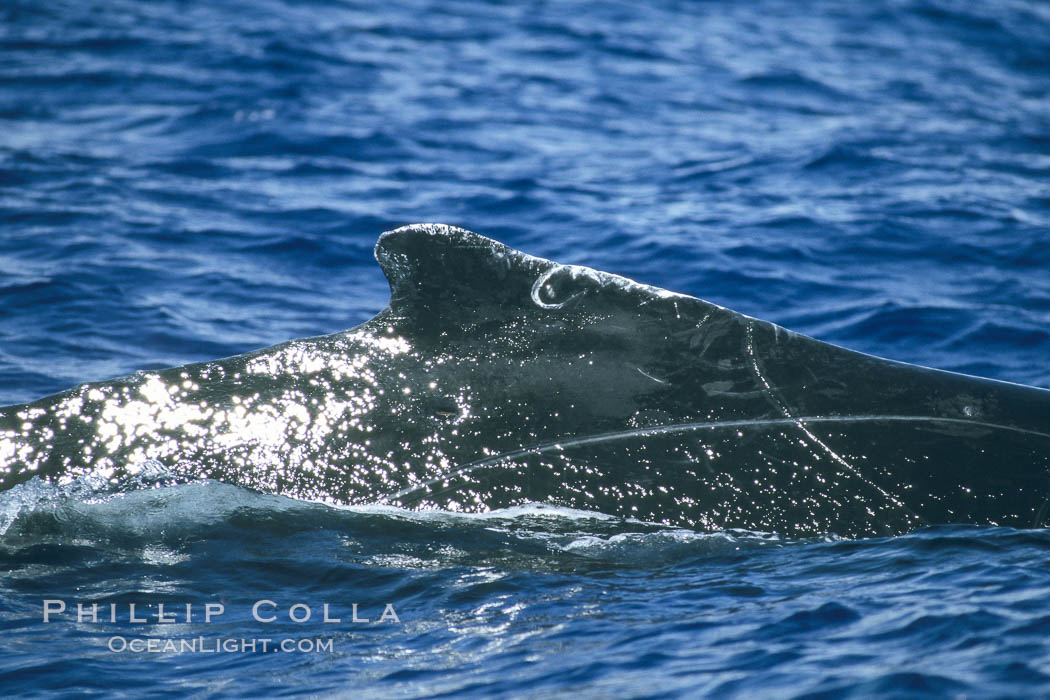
[{"x": 183, "y": 180}]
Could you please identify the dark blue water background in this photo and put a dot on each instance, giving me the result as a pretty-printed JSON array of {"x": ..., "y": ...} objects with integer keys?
[{"x": 181, "y": 181}]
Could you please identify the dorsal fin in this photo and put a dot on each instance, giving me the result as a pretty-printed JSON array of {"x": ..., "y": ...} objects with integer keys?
[
  {"x": 447, "y": 278},
  {"x": 432, "y": 267}
]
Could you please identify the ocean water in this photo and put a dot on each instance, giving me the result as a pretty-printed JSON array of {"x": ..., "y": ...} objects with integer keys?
[{"x": 182, "y": 181}]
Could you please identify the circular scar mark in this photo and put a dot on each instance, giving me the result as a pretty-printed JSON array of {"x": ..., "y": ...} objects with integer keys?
[{"x": 560, "y": 285}]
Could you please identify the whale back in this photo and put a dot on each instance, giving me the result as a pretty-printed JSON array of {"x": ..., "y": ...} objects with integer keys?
[{"x": 495, "y": 378}]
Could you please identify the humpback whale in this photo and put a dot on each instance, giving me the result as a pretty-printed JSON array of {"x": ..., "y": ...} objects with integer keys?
[{"x": 495, "y": 378}]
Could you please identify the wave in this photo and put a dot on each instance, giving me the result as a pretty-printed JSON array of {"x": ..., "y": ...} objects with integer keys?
[{"x": 158, "y": 521}]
